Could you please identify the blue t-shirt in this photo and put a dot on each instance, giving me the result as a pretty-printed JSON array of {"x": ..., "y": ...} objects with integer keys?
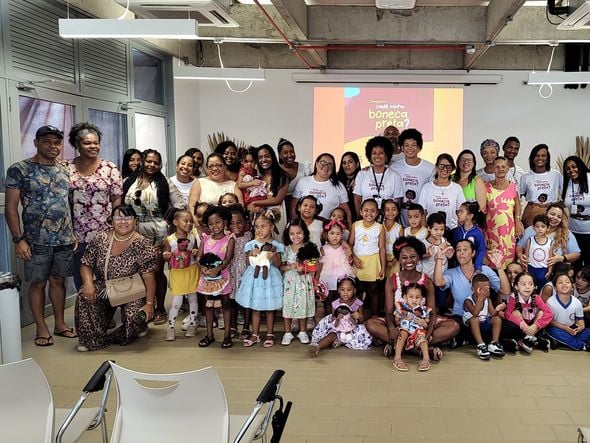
[
  {"x": 44, "y": 192},
  {"x": 461, "y": 287},
  {"x": 572, "y": 243}
]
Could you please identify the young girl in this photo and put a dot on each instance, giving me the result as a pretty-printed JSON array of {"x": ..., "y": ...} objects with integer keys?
[
  {"x": 525, "y": 316},
  {"x": 260, "y": 294},
  {"x": 298, "y": 296},
  {"x": 340, "y": 215},
  {"x": 200, "y": 226},
  {"x": 512, "y": 270},
  {"x": 467, "y": 216},
  {"x": 393, "y": 231},
  {"x": 228, "y": 199},
  {"x": 325, "y": 334},
  {"x": 412, "y": 315},
  {"x": 539, "y": 248},
  {"x": 336, "y": 258},
  {"x": 180, "y": 249},
  {"x": 416, "y": 222},
  {"x": 238, "y": 266},
  {"x": 567, "y": 326},
  {"x": 249, "y": 181},
  {"x": 308, "y": 208},
  {"x": 367, "y": 240},
  {"x": 582, "y": 291},
  {"x": 215, "y": 282}
]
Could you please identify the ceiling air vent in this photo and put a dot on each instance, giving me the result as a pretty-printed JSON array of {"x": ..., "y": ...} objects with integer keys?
[
  {"x": 395, "y": 4},
  {"x": 577, "y": 18}
]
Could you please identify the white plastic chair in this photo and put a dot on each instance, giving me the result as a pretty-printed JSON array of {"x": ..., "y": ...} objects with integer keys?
[
  {"x": 185, "y": 406},
  {"x": 27, "y": 410}
]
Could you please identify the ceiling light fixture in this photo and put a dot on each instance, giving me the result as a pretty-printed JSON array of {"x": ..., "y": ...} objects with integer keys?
[
  {"x": 194, "y": 73},
  {"x": 178, "y": 29},
  {"x": 558, "y": 78},
  {"x": 361, "y": 77}
]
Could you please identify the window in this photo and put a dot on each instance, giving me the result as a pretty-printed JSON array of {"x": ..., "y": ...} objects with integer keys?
[
  {"x": 114, "y": 134},
  {"x": 147, "y": 77},
  {"x": 150, "y": 132}
]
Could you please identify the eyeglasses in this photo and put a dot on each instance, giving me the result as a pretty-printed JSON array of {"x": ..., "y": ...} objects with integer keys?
[
  {"x": 324, "y": 164},
  {"x": 137, "y": 200},
  {"x": 443, "y": 167},
  {"x": 119, "y": 218},
  {"x": 466, "y": 160},
  {"x": 216, "y": 166}
]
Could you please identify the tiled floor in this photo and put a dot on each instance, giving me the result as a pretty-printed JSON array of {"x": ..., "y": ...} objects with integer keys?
[{"x": 345, "y": 396}]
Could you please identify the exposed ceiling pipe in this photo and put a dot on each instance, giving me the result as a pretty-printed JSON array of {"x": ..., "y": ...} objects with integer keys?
[
  {"x": 289, "y": 43},
  {"x": 383, "y": 47}
]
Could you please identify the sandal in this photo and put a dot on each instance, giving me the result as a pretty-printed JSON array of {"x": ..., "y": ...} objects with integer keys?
[
  {"x": 48, "y": 341},
  {"x": 269, "y": 342},
  {"x": 233, "y": 333},
  {"x": 388, "y": 350},
  {"x": 226, "y": 343},
  {"x": 424, "y": 366},
  {"x": 251, "y": 341},
  {"x": 245, "y": 334},
  {"x": 160, "y": 318},
  {"x": 400, "y": 365},
  {"x": 437, "y": 354},
  {"x": 313, "y": 350},
  {"x": 206, "y": 341},
  {"x": 67, "y": 333}
]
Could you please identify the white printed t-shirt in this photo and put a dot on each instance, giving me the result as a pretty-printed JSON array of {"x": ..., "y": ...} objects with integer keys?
[
  {"x": 580, "y": 217},
  {"x": 541, "y": 188},
  {"x": 445, "y": 199},
  {"x": 413, "y": 178},
  {"x": 566, "y": 314},
  {"x": 366, "y": 184},
  {"x": 328, "y": 195}
]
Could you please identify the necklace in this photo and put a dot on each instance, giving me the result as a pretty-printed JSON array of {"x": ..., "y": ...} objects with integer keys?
[{"x": 122, "y": 240}]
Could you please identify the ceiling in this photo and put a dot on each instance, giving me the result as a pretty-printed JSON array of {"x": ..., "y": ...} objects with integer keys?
[{"x": 355, "y": 34}]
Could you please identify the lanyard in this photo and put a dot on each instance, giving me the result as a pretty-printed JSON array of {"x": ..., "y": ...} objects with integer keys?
[{"x": 380, "y": 183}]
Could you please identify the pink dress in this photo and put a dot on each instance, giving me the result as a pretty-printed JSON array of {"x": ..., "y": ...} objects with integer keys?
[
  {"x": 500, "y": 223},
  {"x": 222, "y": 286},
  {"x": 334, "y": 265}
]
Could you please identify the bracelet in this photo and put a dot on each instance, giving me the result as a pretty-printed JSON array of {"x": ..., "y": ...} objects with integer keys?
[{"x": 149, "y": 302}]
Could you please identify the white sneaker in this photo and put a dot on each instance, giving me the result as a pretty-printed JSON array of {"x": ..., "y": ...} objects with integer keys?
[
  {"x": 496, "y": 349},
  {"x": 170, "y": 334},
  {"x": 287, "y": 339},
  {"x": 185, "y": 322},
  {"x": 482, "y": 351},
  {"x": 220, "y": 323},
  {"x": 191, "y": 331},
  {"x": 303, "y": 338}
]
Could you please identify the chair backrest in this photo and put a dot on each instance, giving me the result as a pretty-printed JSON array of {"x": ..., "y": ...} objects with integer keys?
[
  {"x": 186, "y": 406},
  {"x": 26, "y": 403}
]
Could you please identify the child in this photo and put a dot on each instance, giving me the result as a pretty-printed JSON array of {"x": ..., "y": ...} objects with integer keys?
[
  {"x": 582, "y": 291},
  {"x": 482, "y": 318},
  {"x": 325, "y": 334},
  {"x": 215, "y": 282},
  {"x": 200, "y": 227},
  {"x": 258, "y": 294},
  {"x": 567, "y": 326},
  {"x": 336, "y": 258},
  {"x": 238, "y": 266},
  {"x": 298, "y": 298},
  {"x": 416, "y": 222},
  {"x": 308, "y": 208},
  {"x": 560, "y": 267},
  {"x": 434, "y": 243},
  {"x": 393, "y": 231},
  {"x": 467, "y": 216},
  {"x": 526, "y": 315},
  {"x": 412, "y": 315},
  {"x": 340, "y": 215},
  {"x": 228, "y": 199},
  {"x": 367, "y": 240},
  {"x": 539, "y": 248},
  {"x": 249, "y": 182},
  {"x": 512, "y": 270},
  {"x": 180, "y": 249}
]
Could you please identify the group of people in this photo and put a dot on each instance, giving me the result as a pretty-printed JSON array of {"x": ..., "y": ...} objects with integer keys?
[{"x": 402, "y": 253}]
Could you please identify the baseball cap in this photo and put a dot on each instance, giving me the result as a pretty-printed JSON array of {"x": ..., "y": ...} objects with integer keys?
[{"x": 48, "y": 129}]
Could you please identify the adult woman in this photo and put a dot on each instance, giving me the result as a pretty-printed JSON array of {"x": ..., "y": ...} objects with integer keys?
[
  {"x": 350, "y": 165},
  {"x": 489, "y": 150},
  {"x": 378, "y": 182},
  {"x": 441, "y": 194},
  {"x": 148, "y": 193},
  {"x": 502, "y": 211},
  {"x": 208, "y": 189},
  {"x": 323, "y": 185},
  {"x": 466, "y": 176},
  {"x": 540, "y": 186},
  {"x": 409, "y": 251},
  {"x": 96, "y": 187},
  {"x": 294, "y": 169},
  {"x": 197, "y": 155},
  {"x": 566, "y": 245},
  {"x": 277, "y": 184},
  {"x": 183, "y": 180},
  {"x": 131, "y": 162},
  {"x": 130, "y": 253},
  {"x": 576, "y": 196},
  {"x": 229, "y": 152}
]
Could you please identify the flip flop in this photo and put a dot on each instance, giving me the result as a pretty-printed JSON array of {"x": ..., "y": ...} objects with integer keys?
[
  {"x": 424, "y": 366},
  {"x": 67, "y": 333},
  {"x": 437, "y": 354},
  {"x": 400, "y": 365},
  {"x": 48, "y": 341},
  {"x": 206, "y": 341}
]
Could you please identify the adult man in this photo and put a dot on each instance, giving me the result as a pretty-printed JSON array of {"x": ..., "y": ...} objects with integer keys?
[
  {"x": 510, "y": 149},
  {"x": 392, "y": 133},
  {"x": 41, "y": 184}
]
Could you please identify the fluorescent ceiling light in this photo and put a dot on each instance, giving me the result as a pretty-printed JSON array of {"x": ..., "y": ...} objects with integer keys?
[
  {"x": 393, "y": 78},
  {"x": 184, "y": 29},
  {"x": 194, "y": 73},
  {"x": 558, "y": 78}
]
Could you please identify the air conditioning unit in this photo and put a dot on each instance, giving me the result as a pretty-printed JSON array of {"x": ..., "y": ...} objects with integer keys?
[
  {"x": 578, "y": 16},
  {"x": 395, "y": 4},
  {"x": 206, "y": 12}
]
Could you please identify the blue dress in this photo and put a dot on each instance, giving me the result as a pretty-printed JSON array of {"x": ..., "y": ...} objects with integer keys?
[{"x": 257, "y": 293}]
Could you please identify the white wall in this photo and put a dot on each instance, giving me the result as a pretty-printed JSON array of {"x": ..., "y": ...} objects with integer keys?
[
  {"x": 279, "y": 107},
  {"x": 186, "y": 115}
]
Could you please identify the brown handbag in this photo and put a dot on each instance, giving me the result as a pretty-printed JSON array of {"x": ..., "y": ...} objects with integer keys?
[{"x": 121, "y": 290}]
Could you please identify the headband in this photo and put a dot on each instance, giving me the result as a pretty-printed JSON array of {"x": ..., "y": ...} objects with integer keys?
[
  {"x": 332, "y": 223},
  {"x": 401, "y": 245}
]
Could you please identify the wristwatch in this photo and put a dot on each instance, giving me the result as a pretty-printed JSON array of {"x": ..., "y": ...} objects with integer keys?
[{"x": 17, "y": 238}]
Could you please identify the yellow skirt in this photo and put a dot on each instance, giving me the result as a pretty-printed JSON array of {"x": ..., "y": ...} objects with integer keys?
[
  {"x": 371, "y": 267},
  {"x": 183, "y": 281}
]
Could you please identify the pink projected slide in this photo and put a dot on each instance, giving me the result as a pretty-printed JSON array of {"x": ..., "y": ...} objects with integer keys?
[{"x": 345, "y": 118}]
